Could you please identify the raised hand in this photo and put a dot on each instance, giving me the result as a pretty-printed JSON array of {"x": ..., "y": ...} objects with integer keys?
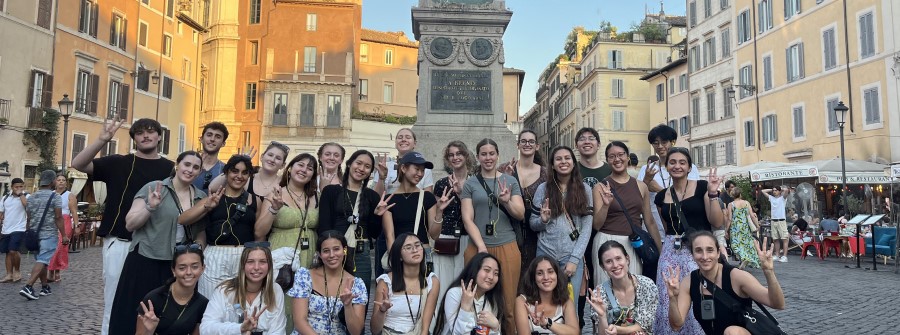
[
  {"x": 468, "y": 293},
  {"x": 213, "y": 199},
  {"x": 252, "y": 320},
  {"x": 383, "y": 205},
  {"x": 597, "y": 303},
  {"x": 455, "y": 184},
  {"x": 505, "y": 195},
  {"x": 764, "y": 252},
  {"x": 347, "y": 295},
  {"x": 650, "y": 172},
  {"x": 545, "y": 211},
  {"x": 148, "y": 317},
  {"x": 275, "y": 199},
  {"x": 606, "y": 194},
  {"x": 155, "y": 196},
  {"x": 537, "y": 317},
  {"x": 713, "y": 179},
  {"x": 510, "y": 167},
  {"x": 385, "y": 304},
  {"x": 382, "y": 166},
  {"x": 109, "y": 129},
  {"x": 445, "y": 199},
  {"x": 248, "y": 151},
  {"x": 673, "y": 280}
]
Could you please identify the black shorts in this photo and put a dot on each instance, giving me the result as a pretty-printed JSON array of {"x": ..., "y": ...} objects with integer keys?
[{"x": 12, "y": 241}]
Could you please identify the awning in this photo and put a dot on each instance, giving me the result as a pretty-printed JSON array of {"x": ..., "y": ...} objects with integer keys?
[
  {"x": 785, "y": 172},
  {"x": 854, "y": 178},
  {"x": 858, "y": 172},
  {"x": 78, "y": 180}
]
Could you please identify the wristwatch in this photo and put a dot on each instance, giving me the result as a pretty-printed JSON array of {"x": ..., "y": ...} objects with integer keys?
[{"x": 549, "y": 324}]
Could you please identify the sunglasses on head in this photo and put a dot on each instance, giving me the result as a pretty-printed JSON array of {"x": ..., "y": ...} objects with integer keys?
[
  {"x": 185, "y": 247},
  {"x": 207, "y": 180},
  {"x": 261, "y": 244}
]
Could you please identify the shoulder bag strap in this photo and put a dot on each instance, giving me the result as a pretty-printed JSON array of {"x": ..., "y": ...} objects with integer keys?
[
  {"x": 46, "y": 209},
  {"x": 731, "y": 302},
  {"x": 681, "y": 219},
  {"x": 419, "y": 212},
  {"x": 613, "y": 303},
  {"x": 491, "y": 195},
  {"x": 624, "y": 210},
  {"x": 351, "y": 229}
]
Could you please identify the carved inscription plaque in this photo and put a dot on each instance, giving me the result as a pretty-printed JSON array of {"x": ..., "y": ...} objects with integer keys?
[{"x": 461, "y": 90}]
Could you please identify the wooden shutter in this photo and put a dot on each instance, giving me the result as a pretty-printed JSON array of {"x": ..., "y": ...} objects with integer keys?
[
  {"x": 166, "y": 132},
  {"x": 94, "y": 93},
  {"x": 123, "y": 101},
  {"x": 47, "y": 94},
  {"x": 123, "y": 34},
  {"x": 95, "y": 19},
  {"x": 31, "y": 89},
  {"x": 113, "y": 38}
]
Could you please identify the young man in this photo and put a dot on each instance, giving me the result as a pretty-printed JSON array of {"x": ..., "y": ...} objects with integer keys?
[
  {"x": 13, "y": 219},
  {"x": 45, "y": 215},
  {"x": 212, "y": 140},
  {"x": 661, "y": 138},
  {"x": 779, "y": 221},
  {"x": 124, "y": 176}
]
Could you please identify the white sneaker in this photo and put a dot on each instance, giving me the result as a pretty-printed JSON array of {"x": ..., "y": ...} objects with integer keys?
[
  {"x": 809, "y": 253},
  {"x": 783, "y": 259}
]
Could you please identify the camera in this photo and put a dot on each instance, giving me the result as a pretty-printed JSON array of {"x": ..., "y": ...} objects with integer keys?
[{"x": 707, "y": 310}]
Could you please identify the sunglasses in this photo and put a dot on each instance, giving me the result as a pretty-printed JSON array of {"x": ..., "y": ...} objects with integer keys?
[
  {"x": 186, "y": 247},
  {"x": 207, "y": 180},
  {"x": 261, "y": 244}
]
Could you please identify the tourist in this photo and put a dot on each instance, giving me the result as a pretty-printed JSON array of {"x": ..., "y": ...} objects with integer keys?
[
  {"x": 712, "y": 276},
  {"x": 176, "y": 307},
  {"x": 154, "y": 222},
  {"x": 13, "y": 219},
  {"x": 697, "y": 200},
  {"x": 331, "y": 155},
  {"x": 740, "y": 221},
  {"x": 565, "y": 216},
  {"x": 654, "y": 175},
  {"x": 352, "y": 204},
  {"x": 474, "y": 301},
  {"x": 265, "y": 180},
  {"x": 299, "y": 217},
  {"x": 60, "y": 260},
  {"x": 411, "y": 312},
  {"x": 529, "y": 170},
  {"x": 633, "y": 168},
  {"x": 320, "y": 308},
  {"x": 625, "y": 303},
  {"x": 544, "y": 306},
  {"x": 45, "y": 217},
  {"x": 124, "y": 175},
  {"x": 212, "y": 139},
  {"x": 616, "y": 223},
  {"x": 491, "y": 201},
  {"x": 779, "y": 230}
]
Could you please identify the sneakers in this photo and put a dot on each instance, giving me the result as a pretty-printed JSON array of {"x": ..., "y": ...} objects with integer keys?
[
  {"x": 782, "y": 259},
  {"x": 45, "y": 290},
  {"x": 28, "y": 293},
  {"x": 809, "y": 253}
]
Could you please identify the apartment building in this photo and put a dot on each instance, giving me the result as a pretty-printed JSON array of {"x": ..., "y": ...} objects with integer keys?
[
  {"x": 670, "y": 86},
  {"x": 797, "y": 59},
  {"x": 388, "y": 73},
  {"x": 711, "y": 72}
]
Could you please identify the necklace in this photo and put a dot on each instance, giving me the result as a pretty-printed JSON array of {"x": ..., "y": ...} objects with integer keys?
[
  {"x": 171, "y": 295},
  {"x": 409, "y": 305},
  {"x": 266, "y": 186},
  {"x": 328, "y": 305}
]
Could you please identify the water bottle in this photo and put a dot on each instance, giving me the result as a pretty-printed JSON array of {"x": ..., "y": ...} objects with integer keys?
[
  {"x": 481, "y": 330},
  {"x": 636, "y": 241},
  {"x": 240, "y": 312}
]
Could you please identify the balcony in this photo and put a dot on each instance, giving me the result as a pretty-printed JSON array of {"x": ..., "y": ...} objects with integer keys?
[
  {"x": 36, "y": 118},
  {"x": 4, "y": 112}
]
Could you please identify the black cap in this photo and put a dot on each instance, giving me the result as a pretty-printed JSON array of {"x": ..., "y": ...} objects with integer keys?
[{"x": 416, "y": 158}]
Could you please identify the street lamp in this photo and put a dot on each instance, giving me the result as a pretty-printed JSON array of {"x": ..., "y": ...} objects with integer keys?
[
  {"x": 155, "y": 77},
  {"x": 65, "y": 108},
  {"x": 840, "y": 115}
]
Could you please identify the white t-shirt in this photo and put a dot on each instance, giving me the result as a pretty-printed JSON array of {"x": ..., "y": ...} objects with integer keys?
[
  {"x": 15, "y": 218},
  {"x": 777, "y": 207},
  {"x": 391, "y": 184},
  {"x": 663, "y": 179}
]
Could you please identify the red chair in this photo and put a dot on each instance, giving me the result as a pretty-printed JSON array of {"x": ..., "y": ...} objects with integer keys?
[
  {"x": 828, "y": 245},
  {"x": 862, "y": 245},
  {"x": 813, "y": 243}
]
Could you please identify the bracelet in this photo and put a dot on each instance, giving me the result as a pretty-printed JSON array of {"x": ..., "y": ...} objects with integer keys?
[
  {"x": 436, "y": 220},
  {"x": 273, "y": 210},
  {"x": 713, "y": 195},
  {"x": 149, "y": 209}
]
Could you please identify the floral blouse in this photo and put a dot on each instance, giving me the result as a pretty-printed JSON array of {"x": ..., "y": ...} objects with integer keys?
[
  {"x": 642, "y": 312},
  {"x": 323, "y": 311}
]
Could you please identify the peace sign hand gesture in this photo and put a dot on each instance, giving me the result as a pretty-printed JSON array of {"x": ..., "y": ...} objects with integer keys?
[
  {"x": 248, "y": 151},
  {"x": 545, "y": 211},
  {"x": 275, "y": 199},
  {"x": 252, "y": 320},
  {"x": 109, "y": 129},
  {"x": 455, "y": 184},
  {"x": 606, "y": 194},
  {"x": 468, "y": 294},
  {"x": 650, "y": 172},
  {"x": 505, "y": 194},
  {"x": 537, "y": 317},
  {"x": 148, "y": 317},
  {"x": 510, "y": 167},
  {"x": 213, "y": 199},
  {"x": 382, "y": 166},
  {"x": 155, "y": 197},
  {"x": 764, "y": 252},
  {"x": 597, "y": 303},
  {"x": 385, "y": 304},
  {"x": 673, "y": 281},
  {"x": 347, "y": 295},
  {"x": 383, "y": 205},
  {"x": 445, "y": 199},
  {"x": 713, "y": 179}
]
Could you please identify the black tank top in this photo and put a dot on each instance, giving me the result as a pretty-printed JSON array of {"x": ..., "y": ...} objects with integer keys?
[{"x": 724, "y": 315}]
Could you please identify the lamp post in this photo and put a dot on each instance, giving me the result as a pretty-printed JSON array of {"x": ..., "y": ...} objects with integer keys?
[
  {"x": 65, "y": 108},
  {"x": 840, "y": 113}
]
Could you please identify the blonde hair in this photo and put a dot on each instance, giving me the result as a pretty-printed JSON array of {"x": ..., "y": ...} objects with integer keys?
[{"x": 238, "y": 284}]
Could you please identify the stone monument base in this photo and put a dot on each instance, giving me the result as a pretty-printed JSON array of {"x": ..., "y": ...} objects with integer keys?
[{"x": 432, "y": 138}]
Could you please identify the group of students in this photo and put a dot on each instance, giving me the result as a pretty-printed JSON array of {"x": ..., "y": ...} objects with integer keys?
[{"x": 492, "y": 248}]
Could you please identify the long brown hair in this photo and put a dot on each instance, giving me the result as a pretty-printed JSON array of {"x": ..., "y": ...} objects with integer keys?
[
  {"x": 310, "y": 188},
  {"x": 529, "y": 288},
  {"x": 238, "y": 284},
  {"x": 575, "y": 202}
]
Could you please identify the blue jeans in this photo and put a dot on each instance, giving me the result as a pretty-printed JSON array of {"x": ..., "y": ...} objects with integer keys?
[
  {"x": 576, "y": 278},
  {"x": 380, "y": 249}
]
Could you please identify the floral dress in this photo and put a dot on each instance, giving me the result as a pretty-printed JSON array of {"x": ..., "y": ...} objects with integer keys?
[
  {"x": 742, "y": 237},
  {"x": 641, "y": 312},
  {"x": 322, "y": 313}
]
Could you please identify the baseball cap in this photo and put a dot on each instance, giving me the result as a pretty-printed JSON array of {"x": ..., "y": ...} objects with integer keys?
[
  {"x": 416, "y": 158},
  {"x": 47, "y": 177}
]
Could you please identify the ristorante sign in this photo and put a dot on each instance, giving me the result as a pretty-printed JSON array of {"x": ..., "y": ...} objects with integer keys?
[
  {"x": 854, "y": 178},
  {"x": 784, "y": 173}
]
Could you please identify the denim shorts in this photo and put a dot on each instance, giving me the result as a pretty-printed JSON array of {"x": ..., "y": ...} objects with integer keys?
[
  {"x": 48, "y": 248},
  {"x": 11, "y": 242}
]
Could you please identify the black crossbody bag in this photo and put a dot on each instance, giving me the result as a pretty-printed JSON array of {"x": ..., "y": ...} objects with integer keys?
[
  {"x": 756, "y": 323},
  {"x": 647, "y": 251}
]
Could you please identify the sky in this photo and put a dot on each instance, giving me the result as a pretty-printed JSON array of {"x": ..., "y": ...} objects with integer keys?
[{"x": 537, "y": 31}]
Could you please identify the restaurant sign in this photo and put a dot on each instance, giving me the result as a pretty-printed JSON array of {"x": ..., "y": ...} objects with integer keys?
[
  {"x": 784, "y": 173},
  {"x": 854, "y": 178},
  {"x": 895, "y": 171}
]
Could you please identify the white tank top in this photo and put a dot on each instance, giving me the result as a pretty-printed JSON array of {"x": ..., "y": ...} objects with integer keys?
[{"x": 64, "y": 199}]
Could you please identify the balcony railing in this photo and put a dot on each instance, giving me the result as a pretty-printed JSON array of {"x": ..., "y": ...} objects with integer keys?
[
  {"x": 36, "y": 118},
  {"x": 4, "y": 111}
]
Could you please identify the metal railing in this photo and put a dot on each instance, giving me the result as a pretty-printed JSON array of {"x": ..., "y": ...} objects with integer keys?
[
  {"x": 35, "y": 118},
  {"x": 4, "y": 111}
]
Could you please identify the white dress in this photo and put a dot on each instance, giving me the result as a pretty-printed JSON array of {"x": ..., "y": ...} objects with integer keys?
[{"x": 398, "y": 318}]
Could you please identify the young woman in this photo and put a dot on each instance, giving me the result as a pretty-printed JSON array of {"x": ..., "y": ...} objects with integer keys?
[
  {"x": 544, "y": 306},
  {"x": 154, "y": 219},
  {"x": 265, "y": 179},
  {"x": 176, "y": 307},
  {"x": 399, "y": 209},
  {"x": 633, "y": 169},
  {"x": 299, "y": 217},
  {"x": 738, "y": 284},
  {"x": 474, "y": 301},
  {"x": 529, "y": 170},
  {"x": 331, "y": 155},
  {"x": 699, "y": 204},
  {"x": 343, "y": 205},
  {"x": 251, "y": 301},
  {"x": 60, "y": 259},
  {"x": 625, "y": 303},
  {"x": 565, "y": 216},
  {"x": 411, "y": 312},
  {"x": 611, "y": 220},
  {"x": 320, "y": 308},
  {"x": 459, "y": 163},
  {"x": 230, "y": 224},
  {"x": 741, "y": 218},
  {"x": 487, "y": 218}
]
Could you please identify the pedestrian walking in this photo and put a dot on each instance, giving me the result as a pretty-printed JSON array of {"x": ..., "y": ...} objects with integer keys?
[
  {"x": 13, "y": 219},
  {"x": 60, "y": 260},
  {"x": 743, "y": 223},
  {"x": 780, "y": 234},
  {"x": 44, "y": 217}
]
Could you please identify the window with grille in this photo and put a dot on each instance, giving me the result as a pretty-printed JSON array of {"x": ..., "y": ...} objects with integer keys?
[
  {"x": 280, "y": 109},
  {"x": 307, "y": 109},
  {"x": 334, "y": 111}
]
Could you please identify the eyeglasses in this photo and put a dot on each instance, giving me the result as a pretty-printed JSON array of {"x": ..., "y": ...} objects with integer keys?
[
  {"x": 412, "y": 247},
  {"x": 587, "y": 139},
  {"x": 456, "y": 154},
  {"x": 527, "y": 142},
  {"x": 620, "y": 155},
  {"x": 260, "y": 244},
  {"x": 185, "y": 247}
]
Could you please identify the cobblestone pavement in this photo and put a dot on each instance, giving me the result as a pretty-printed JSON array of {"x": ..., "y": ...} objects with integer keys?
[{"x": 823, "y": 297}]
